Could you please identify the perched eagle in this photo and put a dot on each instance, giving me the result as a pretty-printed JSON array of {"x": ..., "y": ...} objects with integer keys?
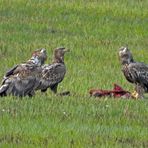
[
  {"x": 134, "y": 72},
  {"x": 54, "y": 73},
  {"x": 22, "y": 79}
]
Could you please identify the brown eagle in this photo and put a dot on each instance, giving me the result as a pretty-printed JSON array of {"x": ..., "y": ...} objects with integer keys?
[
  {"x": 134, "y": 72},
  {"x": 54, "y": 73},
  {"x": 22, "y": 79}
]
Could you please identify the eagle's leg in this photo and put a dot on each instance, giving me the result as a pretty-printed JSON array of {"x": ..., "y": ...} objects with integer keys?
[
  {"x": 140, "y": 91},
  {"x": 31, "y": 94},
  {"x": 54, "y": 88},
  {"x": 44, "y": 91}
]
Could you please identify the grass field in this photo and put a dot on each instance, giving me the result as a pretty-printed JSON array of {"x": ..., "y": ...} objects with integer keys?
[{"x": 93, "y": 30}]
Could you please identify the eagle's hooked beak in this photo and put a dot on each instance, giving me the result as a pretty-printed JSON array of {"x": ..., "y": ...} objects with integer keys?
[
  {"x": 66, "y": 50},
  {"x": 120, "y": 53},
  {"x": 43, "y": 50}
]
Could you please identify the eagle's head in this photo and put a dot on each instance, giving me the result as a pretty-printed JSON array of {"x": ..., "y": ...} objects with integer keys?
[
  {"x": 125, "y": 55},
  {"x": 58, "y": 56},
  {"x": 39, "y": 56}
]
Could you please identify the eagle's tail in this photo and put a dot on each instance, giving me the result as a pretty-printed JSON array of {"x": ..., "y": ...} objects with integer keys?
[
  {"x": 146, "y": 88},
  {"x": 3, "y": 90}
]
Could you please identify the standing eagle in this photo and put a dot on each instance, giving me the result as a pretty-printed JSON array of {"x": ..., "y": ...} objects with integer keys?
[
  {"x": 54, "y": 73},
  {"x": 22, "y": 79},
  {"x": 134, "y": 72}
]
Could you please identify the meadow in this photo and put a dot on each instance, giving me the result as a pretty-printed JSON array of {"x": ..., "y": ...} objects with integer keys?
[{"x": 93, "y": 31}]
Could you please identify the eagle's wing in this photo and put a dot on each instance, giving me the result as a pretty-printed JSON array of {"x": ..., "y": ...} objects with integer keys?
[
  {"x": 11, "y": 71},
  {"x": 22, "y": 80},
  {"x": 17, "y": 69},
  {"x": 139, "y": 73},
  {"x": 52, "y": 74}
]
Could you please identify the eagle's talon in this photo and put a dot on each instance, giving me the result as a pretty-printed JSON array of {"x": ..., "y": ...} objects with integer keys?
[{"x": 134, "y": 95}]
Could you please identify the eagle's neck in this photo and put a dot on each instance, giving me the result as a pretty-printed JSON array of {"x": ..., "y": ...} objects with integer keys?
[
  {"x": 58, "y": 60},
  {"x": 34, "y": 60},
  {"x": 127, "y": 62}
]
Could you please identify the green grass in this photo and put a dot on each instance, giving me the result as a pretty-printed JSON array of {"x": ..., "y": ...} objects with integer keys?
[{"x": 93, "y": 31}]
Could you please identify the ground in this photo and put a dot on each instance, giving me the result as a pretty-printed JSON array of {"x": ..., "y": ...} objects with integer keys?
[{"x": 94, "y": 31}]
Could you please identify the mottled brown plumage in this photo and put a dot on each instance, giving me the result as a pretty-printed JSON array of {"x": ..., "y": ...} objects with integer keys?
[
  {"x": 23, "y": 79},
  {"x": 54, "y": 73},
  {"x": 134, "y": 72}
]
